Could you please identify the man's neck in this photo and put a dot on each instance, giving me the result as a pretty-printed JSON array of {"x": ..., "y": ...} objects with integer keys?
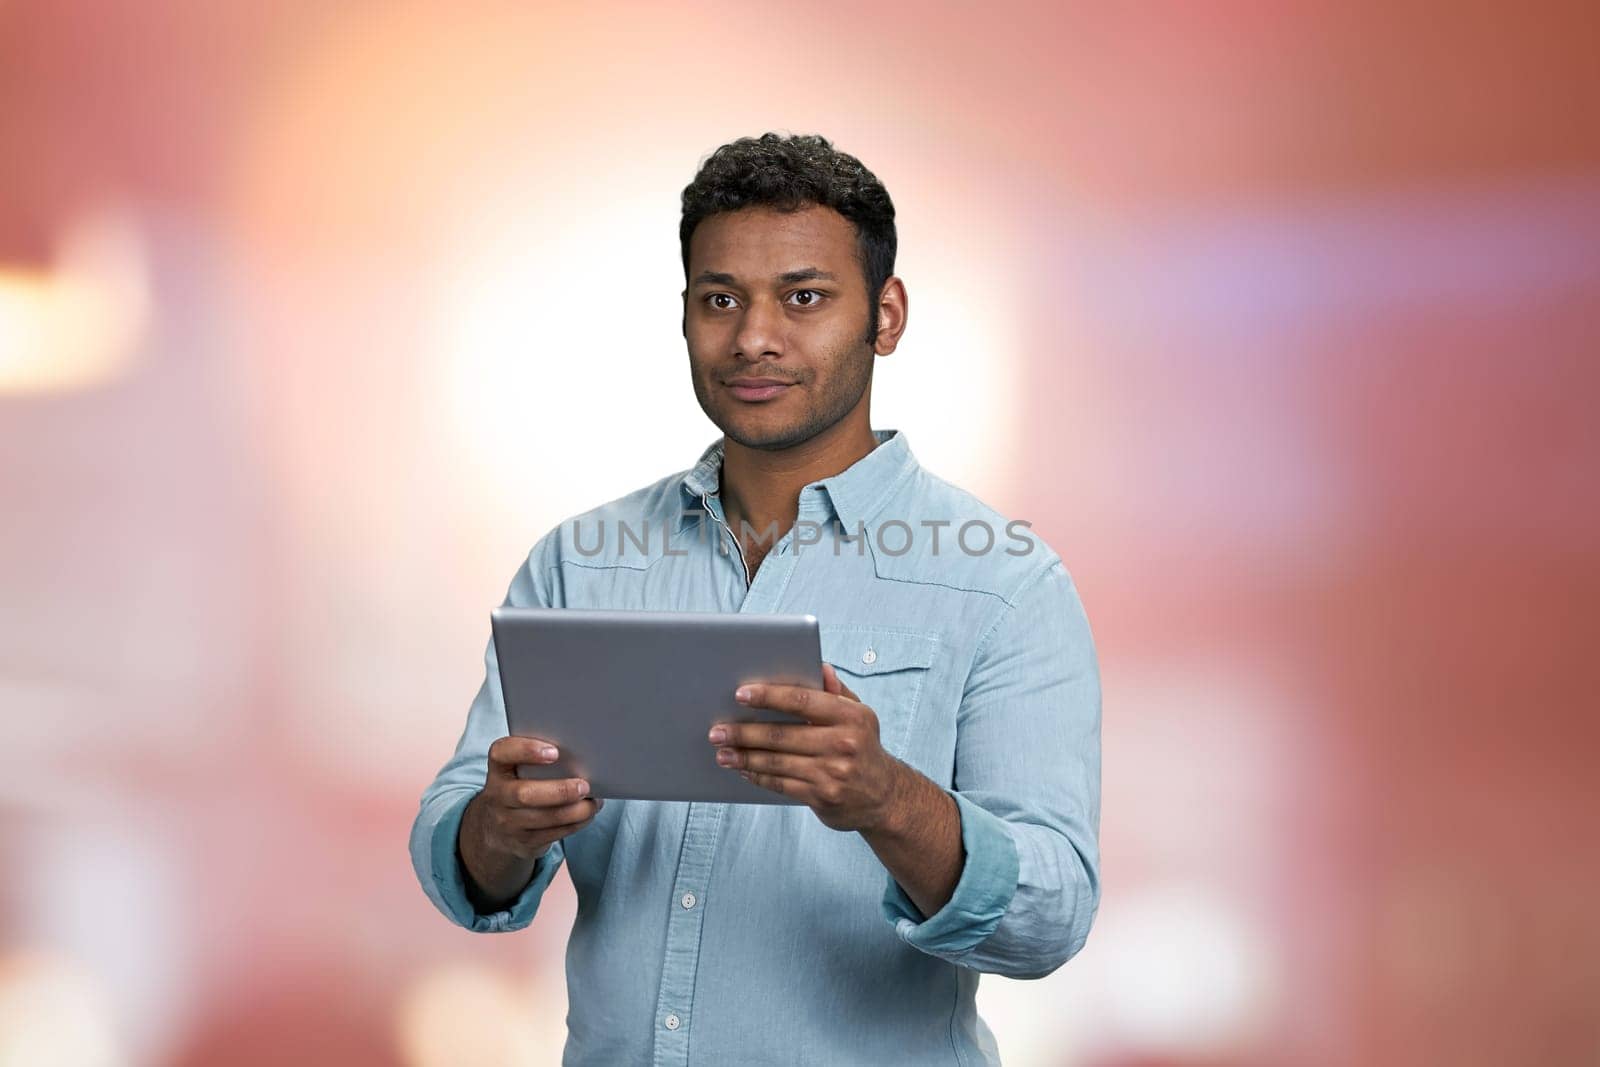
[{"x": 762, "y": 488}]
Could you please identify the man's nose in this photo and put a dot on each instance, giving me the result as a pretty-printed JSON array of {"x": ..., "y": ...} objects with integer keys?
[{"x": 760, "y": 331}]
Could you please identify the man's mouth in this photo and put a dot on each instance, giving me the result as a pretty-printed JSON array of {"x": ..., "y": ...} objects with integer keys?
[{"x": 756, "y": 389}]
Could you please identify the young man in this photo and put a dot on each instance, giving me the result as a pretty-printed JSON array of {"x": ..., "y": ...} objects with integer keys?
[{"x": 950, "y": 769}]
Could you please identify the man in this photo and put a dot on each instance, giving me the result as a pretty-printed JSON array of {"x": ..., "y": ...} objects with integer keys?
[{"x": 950, "y": 769}]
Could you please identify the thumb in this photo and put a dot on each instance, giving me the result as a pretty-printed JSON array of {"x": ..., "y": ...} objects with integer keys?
[{"x": 832, "y": 684}]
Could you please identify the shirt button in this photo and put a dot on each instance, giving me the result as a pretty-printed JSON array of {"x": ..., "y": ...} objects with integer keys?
[
  {"x": 869, "y": 656},
  {"x": 672, "y": 1022},
  {"x": 687, "y": 901}
]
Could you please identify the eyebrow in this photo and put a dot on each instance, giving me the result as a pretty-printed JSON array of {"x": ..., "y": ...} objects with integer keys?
[{"x": 804, "y": 274}]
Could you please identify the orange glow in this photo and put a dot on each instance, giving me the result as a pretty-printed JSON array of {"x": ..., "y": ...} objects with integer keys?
[
  {"x": 76, "y": 326},
  {"x": 466, "y": 1014}
]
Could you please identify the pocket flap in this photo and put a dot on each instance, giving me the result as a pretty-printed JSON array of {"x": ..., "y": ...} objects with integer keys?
[{"x": 870, "y": 650}]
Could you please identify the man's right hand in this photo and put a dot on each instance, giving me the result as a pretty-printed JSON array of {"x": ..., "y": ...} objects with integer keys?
[{"x": 513, "y": 821}]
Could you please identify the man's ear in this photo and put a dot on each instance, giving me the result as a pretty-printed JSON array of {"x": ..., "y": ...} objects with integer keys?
[
  {"x": 683, "y": 321},
  {"x": 892, "y": 312}
]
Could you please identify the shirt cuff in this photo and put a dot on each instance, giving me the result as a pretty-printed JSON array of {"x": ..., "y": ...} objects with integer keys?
[
  {"x": 982, "y": 895},
  {"x": 450, "y": 880}
]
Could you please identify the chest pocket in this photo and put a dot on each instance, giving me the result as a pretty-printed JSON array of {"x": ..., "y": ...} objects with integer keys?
[{"x": 886, "y": 669}]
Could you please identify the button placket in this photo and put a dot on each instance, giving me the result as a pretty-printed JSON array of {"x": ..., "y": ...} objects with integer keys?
[{"x": 675, "y": 997}]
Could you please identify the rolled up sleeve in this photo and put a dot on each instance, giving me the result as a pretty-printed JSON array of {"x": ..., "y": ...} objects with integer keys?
[
  {"x": 434, "y": 833},
  {"x": 1027, "y": 786},
  {"x": 981, "y": 897}
]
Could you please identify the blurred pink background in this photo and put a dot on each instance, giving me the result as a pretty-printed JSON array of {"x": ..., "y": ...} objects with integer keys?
[{"x": 1277, "y": 320}]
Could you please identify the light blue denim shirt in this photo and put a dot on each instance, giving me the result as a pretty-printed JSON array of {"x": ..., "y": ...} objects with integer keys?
[{"x": 751, "y": 933}]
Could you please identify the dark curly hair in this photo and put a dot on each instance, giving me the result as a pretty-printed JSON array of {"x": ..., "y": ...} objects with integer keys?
[{"x": 790, "y": 173}]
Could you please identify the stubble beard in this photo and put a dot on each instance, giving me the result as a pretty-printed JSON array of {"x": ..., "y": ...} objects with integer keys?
[{"x": 824, "y": 412}]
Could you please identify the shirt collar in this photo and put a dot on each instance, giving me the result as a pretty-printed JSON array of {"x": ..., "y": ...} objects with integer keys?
[{"x": 855, "y": 493}]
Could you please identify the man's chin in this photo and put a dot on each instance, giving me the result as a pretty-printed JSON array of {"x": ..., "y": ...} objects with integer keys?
[
  {"x": 767, "y": 438},
  {"x": 765, "y": 442}
]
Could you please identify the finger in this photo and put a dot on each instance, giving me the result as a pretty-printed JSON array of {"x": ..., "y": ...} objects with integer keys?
[
  {"x": 551, "y": 793},
  {"x": 507, "y": 753},
  {"x": 812, "y": 705},
  {"x": 777, "y": 783},
  {"x": 551, "y": 818},
  {"x": 778, "y": 736},
  {"x": 761, "y": 761},
  {"x": 832, "y": 683}
]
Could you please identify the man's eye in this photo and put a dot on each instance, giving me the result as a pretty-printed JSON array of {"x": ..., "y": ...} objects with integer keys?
[
  {"x": 811, "y": 295},
  {"x": 714, "y": 297}
]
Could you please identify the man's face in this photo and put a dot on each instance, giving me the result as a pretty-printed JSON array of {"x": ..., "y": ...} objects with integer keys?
[{"x": 777, "y": 296}]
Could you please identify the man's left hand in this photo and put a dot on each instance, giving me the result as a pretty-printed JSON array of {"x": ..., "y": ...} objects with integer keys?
[{"x": 830, "y": 758}]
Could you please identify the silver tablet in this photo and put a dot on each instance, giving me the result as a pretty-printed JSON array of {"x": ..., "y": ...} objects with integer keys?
[{"x": 629, "y": 696}]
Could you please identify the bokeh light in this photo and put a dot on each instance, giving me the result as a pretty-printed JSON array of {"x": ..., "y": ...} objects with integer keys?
[
  {"x": 78, "y": 323},
  {"x": 53, "y": 1015}
]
